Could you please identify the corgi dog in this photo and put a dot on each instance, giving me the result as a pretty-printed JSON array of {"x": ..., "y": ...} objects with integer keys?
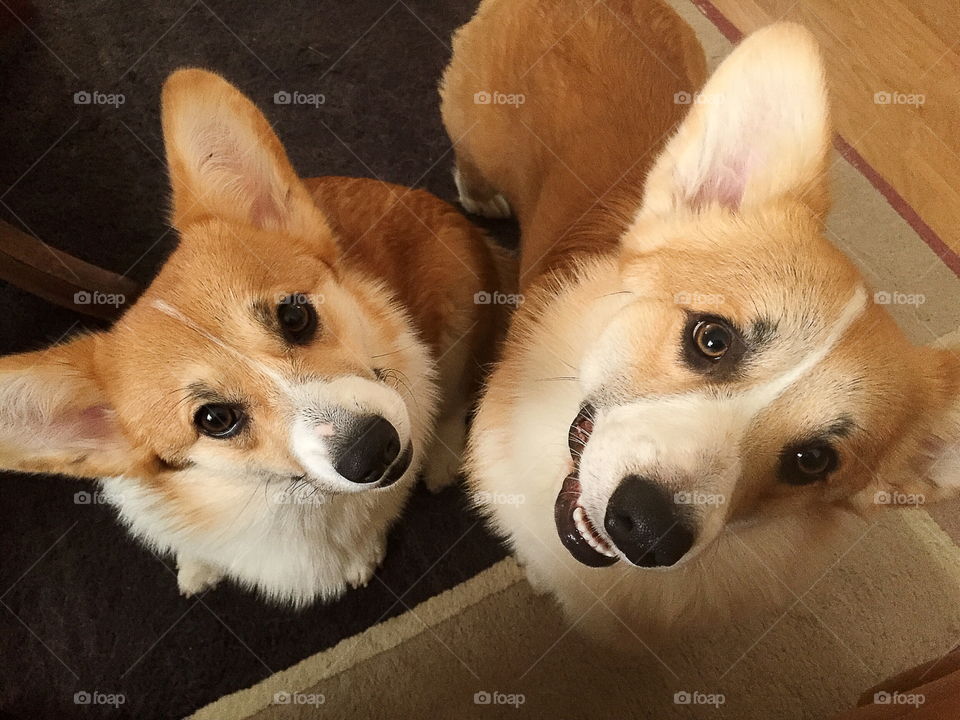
[
  {"x": 698, "y": 391},
  {"x": 262, "y": 410}
]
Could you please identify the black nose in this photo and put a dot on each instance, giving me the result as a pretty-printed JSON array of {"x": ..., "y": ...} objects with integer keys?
[
  {"x": 373, "y": 445},
  {"x": 643, "y": 521}
]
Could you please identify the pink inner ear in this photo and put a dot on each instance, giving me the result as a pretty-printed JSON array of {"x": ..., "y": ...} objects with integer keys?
[
  {"x": 263, "y": 211},
  {"x": 236, "y": 178},
  {"x": 724, "y": 186},
  {"x": 88, "y": 425},
  {"x": 96, "y": 422}
]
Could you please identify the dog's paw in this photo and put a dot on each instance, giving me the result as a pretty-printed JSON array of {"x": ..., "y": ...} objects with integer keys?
[
  {"x": 360, "y": 570},
  {"x": 442, "y": 464},
  {"x": 495, "y": 206},
  {"x": 441, "y": 469},
  {"x": 194, "y": 577},
  {"x": 540, "y": 585}
]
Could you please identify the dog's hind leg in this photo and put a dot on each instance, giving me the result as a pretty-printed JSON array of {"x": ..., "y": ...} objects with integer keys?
[{"x": 477, "y": 195}]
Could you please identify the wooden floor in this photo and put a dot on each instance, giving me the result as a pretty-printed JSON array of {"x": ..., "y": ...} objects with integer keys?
[{"x": 897, "y": 49}]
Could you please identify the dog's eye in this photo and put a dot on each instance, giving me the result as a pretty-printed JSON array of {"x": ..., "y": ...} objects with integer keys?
[
  {"x": 219, "y": 420},
  {"x": 807, "y": 464},
  {"x": 712, "y": 346},
  {"x": 712, "y": 339},
  {"x": 297, "y": 318}
]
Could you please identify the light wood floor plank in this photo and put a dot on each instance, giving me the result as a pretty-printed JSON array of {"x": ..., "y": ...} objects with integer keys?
[{"x": 889, "y": 46}]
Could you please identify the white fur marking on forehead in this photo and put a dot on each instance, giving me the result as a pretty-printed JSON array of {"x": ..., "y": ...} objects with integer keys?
[
  {"x": 281, "y": 382},
  {"x": 765, "y": 394}
]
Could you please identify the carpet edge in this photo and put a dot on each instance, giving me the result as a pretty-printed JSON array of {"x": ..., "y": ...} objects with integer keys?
[{"x": 373, "y": 641}]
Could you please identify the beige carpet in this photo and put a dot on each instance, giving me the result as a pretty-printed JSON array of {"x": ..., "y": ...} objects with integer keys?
[{"x": 891, "y": 602}]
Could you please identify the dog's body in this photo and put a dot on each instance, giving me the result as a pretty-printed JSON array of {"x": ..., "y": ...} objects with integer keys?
[
  {"x": 733, "y": 392},
  {"x": 263, "y": 409}
]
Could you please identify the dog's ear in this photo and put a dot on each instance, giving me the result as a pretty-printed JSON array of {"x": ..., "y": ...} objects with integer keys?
[
  {"x": 226, "y": 162},
  {"x": 925, "y": 466},
  {"x": 759, "y": 130},
  {"x": 54, "y": 417}
]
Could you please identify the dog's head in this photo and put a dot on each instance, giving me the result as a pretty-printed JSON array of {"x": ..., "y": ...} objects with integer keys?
[
  {"x": 255, "y": 356},
  {"x": 749, "y": 372}
]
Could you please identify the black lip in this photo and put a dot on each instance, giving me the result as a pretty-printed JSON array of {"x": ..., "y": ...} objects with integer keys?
[
  {"x": 569, "y": 496},
  {"x": 399, "y": 467},
  {"x": 567, "y": 529}
]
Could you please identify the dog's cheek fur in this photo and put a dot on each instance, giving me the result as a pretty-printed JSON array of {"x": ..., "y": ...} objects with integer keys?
[{"x": 921, "y": 462}]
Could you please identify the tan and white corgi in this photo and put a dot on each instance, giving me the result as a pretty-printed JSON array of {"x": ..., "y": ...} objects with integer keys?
[
  {"x": 698, "y": 389},
  {"x": 262, "y": 410}
]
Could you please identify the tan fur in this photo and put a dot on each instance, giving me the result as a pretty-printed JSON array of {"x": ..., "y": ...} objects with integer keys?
[
  {"x": 637, "y": 212},
  {"x": 570, "y": 200},
  {"x": 392, "y": 273}
]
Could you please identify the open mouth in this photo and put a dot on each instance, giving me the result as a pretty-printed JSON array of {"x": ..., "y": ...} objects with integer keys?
[{"x": 577, "y": 533}]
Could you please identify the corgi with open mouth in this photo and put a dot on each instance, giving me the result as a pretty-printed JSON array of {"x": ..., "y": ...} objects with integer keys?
[
  {"x": 698, "y": 389},
  {"x": 262, "y": 410}
]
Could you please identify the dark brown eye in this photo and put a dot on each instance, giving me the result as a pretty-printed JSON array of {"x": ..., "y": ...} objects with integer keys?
[
  {"x": 807, "y": 464},
  {"x": 219, "y": 420},
  {"x": 711, "y": 339},
  {"x": 297, "y": 318}
]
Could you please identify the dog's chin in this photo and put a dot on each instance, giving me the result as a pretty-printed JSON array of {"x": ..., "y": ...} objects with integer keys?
[{"x": 577, "y": 533}]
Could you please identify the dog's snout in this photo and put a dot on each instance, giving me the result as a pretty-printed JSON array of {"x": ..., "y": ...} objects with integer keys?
[
  {"x": 646, "y": 525},
  {"x": 369, "y": 450}
]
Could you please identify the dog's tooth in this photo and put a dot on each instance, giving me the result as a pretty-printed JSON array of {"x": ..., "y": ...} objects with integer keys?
[
  {"x": 584, "y": 533},
  {"x": 591, "y": 536}
]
